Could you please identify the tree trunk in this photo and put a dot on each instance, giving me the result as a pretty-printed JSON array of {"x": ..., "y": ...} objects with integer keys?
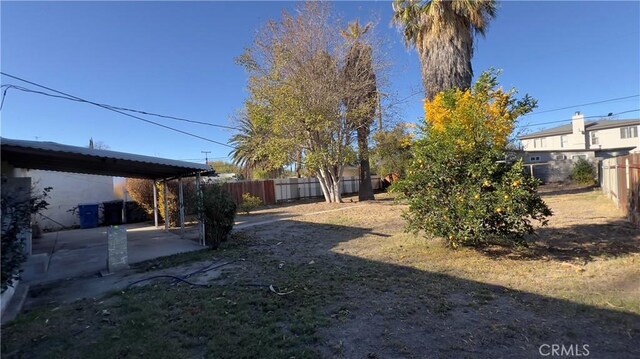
[
  {"x": 365, "y": 192},
  {"x": 324, "y": 185},
  {"x": 299, "y": 164},
  {"x": 330, "y": 184},
  {"x": 336, "y": 178},
  {"x": 446, "y": 63}
]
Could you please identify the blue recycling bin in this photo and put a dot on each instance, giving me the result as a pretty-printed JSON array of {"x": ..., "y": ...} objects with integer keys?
[{"x": 88, "y": 215}]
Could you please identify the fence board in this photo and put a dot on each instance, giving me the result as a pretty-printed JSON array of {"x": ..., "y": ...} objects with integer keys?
[
  {"x": 261, "y": 189},
  {"x": 279, "y": 190},
  {"x": 621, "y": 182}
]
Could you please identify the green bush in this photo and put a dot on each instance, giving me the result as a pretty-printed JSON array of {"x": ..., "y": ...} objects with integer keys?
[
  {"x": 16, "y": 217},
  {"x": 219, "y": 213},
  {"x": 249, "y": 203},
  {"x": 392, "y": 153},
  {"x": 459, "y": 187},
  {"x": 583, "y": 172}
]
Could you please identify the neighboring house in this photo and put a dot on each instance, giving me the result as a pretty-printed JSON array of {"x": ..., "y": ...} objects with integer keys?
[
  {"x": 69, "y": 190},
  {"x": 556, "y": 149},
  {"x": 580, "y": 139}
]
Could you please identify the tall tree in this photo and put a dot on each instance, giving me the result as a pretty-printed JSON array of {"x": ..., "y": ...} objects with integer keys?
[
  {"x": 443, "y": 32},
  {"x": 361, "y": 99},
  {"x": 297, "y": 91}
]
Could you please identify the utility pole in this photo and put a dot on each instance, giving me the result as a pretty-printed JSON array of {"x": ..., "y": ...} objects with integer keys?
[
  {"x": 380, "y": 110},
  {"x": 206, "y": 157}
]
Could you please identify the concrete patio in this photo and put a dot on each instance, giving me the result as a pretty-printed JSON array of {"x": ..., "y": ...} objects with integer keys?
[{"x": 79, "y": 252}]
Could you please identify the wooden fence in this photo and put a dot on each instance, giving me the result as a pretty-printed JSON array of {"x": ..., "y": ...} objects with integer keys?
[
  {"x": 620, "y": 181},
  {"x": 288, "y": 189},
  {"x": 265, "y": 190}
]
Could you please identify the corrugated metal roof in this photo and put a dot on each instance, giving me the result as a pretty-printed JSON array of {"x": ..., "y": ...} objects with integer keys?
[
  {"x": 65, "y": 158},
  {"x": 589, "y": 126}
]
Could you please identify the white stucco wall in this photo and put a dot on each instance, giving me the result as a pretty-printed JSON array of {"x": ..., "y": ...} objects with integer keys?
[
  {"x": 610, "y": 138},
  {"x": 69, "y": 190},
  {"x": 553, "y": 143},
  {"x": 607, "y": 139}
]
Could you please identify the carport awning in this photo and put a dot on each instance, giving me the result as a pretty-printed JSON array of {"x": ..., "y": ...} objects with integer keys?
[{"x": 53, "y": 156}]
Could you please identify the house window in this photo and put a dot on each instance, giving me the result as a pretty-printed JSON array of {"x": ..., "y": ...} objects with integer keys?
[
  {"x": 564, "y": 141},
  {"x": 538, "y": 143},
  {"x": 561, "y": 157},
  {"x": 594, "y": 138},
  {"x": 629, "y": 132},
  {"x": 577, "y": 157},
  {"x": 534, "y": 159}
]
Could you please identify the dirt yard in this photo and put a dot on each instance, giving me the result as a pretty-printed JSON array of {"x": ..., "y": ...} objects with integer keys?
[{"x": 350, "y": 283}]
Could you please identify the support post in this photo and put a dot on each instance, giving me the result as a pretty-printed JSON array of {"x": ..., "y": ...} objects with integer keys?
[
  {"x": 155, "y": 204},
  {"x": 531, "y": 169},
  {"x": 166, "y": 205},
  {"x": 200, "y": 210},
  {"x": 181, "y": 204}
]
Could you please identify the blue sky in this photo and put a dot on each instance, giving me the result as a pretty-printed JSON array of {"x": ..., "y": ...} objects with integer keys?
[{"x": 178, "y": 59}]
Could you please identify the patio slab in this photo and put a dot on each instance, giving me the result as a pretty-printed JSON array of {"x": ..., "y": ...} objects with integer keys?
[{"x": 74, "y": 253}]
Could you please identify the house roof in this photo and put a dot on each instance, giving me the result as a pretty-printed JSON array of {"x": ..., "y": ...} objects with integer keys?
[
  {"x": 54, "y": 156},
  {"x": 589, "y": 126}
]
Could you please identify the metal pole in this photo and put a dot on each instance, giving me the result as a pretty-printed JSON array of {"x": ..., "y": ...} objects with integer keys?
[
  {"x": 166, "y": 206},
  {"x": 155, "y": 204},
  {"x": 200, "y": 210},
  {"x": 181, "y": 203},
  {"x": 124, "y": 204}
]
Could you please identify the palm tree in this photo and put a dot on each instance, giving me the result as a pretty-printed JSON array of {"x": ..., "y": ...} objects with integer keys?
[
  {"x": 443, "y": 32},
  {"x": 361, "y": 99},
  {"x": 245, "y": 143}
]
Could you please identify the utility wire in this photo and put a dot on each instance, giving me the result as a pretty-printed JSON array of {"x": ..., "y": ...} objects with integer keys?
[
  {"x": 584, "y": 104},
  {"x": 75, "y": 98},
  {"x": 24, "y": 89},
  {"x": 173, "y": 118},
  {"x": 560, "y": 121}
]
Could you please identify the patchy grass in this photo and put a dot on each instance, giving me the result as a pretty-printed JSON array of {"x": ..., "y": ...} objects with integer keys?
[{"x": 357, "y": 286}]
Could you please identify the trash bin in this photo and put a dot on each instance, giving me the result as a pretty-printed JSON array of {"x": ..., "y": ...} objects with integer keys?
[
  {"x": 112, "y": 212},
  {"x": 88, "y": 215},
  {"x": 135, "y": 213}
]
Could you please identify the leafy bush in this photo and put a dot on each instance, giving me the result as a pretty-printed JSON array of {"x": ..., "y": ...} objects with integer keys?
[
  {"x": 219, "y": 213},
  {"x": 141, "y": 191},
  {"x": 249, "y": 203},
  {"x": 583, "y": 172},
  {"x": 392, "y": 153},
  {"x": 458, "y": 186},
  {"x": 16, "y": 217}
]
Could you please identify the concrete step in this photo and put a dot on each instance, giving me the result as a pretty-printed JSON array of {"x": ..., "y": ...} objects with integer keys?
[
  {"x": 35, "y": 266},
  {"x": 15, "y": 303}
]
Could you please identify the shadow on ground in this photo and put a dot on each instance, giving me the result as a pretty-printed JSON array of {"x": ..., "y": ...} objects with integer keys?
[
  {"x": 331, "y": 305},
  {"x": 557, "y": 190},
  {"x": 578, "y": 242}
]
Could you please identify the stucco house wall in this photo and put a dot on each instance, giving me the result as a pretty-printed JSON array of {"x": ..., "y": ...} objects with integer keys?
[
  {"x": 610, "y": 138},
  {"x": 546, "y": 156},
  {"x": 69, "y": 190},
  {"x": 579, "y": 136}
]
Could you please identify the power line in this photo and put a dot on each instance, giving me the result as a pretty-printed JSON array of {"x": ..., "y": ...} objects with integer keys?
[
  {"x": 584, "y": 104},
  {"x": 202, "y": 158},
  {"x": 107, "y": 107},
  {"x": 174, "y": 118},
  {"x": 560, "y": 121},
  {"x": 24, "y": 89}
]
